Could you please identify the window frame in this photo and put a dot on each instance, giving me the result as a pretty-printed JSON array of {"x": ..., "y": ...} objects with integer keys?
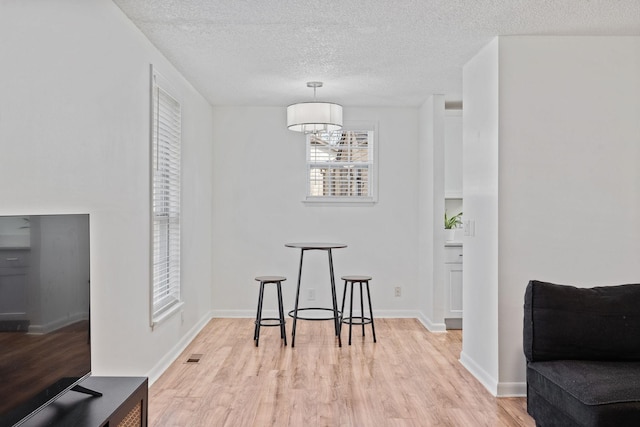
[
  {"x": 168, "y": 221},
  {"x": 372, "y": 166}
]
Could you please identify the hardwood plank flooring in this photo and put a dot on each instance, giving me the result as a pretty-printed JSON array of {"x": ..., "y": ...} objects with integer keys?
[{"x": 410, "y": 377}]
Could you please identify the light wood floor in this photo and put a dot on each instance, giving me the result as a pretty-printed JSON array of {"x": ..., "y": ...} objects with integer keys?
[{"x": 410, "y": 377}]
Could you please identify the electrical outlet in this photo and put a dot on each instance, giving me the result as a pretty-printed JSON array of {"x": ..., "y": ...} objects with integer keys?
[
  {"x": 311, "y": 296},
  {"x": 398, "y": 291}
]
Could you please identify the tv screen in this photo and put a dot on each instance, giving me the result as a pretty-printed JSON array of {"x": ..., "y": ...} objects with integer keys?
[{"x": 44, "y": 310}]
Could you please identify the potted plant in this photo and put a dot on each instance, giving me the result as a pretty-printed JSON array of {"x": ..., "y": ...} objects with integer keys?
[{"x": 451, "y": 223}]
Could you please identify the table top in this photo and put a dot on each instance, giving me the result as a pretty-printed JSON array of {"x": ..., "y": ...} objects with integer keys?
[{"x": 316, "y": 245}]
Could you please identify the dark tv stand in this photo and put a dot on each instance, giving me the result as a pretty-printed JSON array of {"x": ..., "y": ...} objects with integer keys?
[
  {"x": 123, "y": 403},
  {"x": 79, "y": 389}
]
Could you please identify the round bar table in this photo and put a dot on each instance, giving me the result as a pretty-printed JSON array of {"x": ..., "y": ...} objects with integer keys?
[{"x": 336, "y": 313}]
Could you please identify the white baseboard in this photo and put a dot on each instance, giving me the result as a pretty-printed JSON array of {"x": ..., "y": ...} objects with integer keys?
[
  {"x": 481, "y": 375},
  {"x": 512, "y": 389},
  {"x": 431, "y": 327},
  {"x": 404, "y": 314},
  {"x": 177, "y": 349},
  {"x": 498, "y": 389},
  {"x": 240, "y": 314},
  {"x": 251, "y": 314},
  {"x": 397, "y": 314}
]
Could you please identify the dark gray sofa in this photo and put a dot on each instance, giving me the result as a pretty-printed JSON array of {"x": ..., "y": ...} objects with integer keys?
[{"x": 582, "y": 347}]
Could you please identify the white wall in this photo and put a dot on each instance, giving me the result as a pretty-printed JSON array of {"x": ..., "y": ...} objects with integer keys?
[
  {"x": 569, "y": 106},
  {"x": 431, "y": 203},
  {"x": 569, "y": 144},
  {"x": 453, "y": 155},
  {"x": 259, "y": 185},
  {"x": 74, "y": 137},
  {"x": 480, "y": 194}
]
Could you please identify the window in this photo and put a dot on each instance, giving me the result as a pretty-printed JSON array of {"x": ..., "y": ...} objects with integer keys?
[
  {"x": 340, "y": 166},
  {"x": 165, "y": 209}
]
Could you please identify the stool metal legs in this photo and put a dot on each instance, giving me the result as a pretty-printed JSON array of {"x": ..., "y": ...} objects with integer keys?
[
  {"x": 256, "y": 332},
  {"x": 373, "y": 327},
  {"x": 259, "y": 319},
  {"x": 283, "y": 331},
  {"x": 362, "y": 319},
  {"x": 351, "y": 312}
]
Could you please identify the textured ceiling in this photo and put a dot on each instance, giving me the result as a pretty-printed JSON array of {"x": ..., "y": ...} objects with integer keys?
[{"x": 367, "y": 52}]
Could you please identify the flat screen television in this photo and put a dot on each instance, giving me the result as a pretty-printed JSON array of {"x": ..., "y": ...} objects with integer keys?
[{"x": 45, "y": 346}]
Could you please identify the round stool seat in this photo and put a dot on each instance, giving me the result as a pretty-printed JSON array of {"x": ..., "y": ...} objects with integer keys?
[
  {"x": 356, "y": 278},
  {"x": 270, "y": 279}
]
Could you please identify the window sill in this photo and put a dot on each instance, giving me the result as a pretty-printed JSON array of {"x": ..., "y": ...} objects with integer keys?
[
  {"x": 161, "y": 318},
  {"x": 341, "y": 201}
]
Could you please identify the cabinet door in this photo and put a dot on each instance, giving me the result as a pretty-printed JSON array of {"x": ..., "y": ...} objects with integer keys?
[
  {"x": 13, "y": 293},
  {"x": 453, "y": 278},
  {"x": 453, "y": 282}
]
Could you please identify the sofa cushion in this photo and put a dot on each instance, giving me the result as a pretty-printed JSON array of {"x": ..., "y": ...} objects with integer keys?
[
  {"x": 565, "y": 322},
  {"x": 593, "y": 393}
]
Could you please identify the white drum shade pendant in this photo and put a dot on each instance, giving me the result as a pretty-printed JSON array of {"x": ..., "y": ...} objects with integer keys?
[{"x": 314, "y": 117}]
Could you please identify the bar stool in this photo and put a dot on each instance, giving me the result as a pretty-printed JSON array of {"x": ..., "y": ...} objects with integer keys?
[
  {"x": 270, "y": 321},
  {"x": 350, "y": 281}
]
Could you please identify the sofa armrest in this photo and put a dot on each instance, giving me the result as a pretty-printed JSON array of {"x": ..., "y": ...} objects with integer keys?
[{"x": 566, "y": 322}]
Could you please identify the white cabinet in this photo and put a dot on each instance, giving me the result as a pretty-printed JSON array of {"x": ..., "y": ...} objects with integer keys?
[
  {"x": 13, "y": 283},
  {"x": 453, "y": 284}
]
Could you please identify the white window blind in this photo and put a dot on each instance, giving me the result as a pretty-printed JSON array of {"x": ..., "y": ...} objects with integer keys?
[
  {"x": 165, "y": 141},
  {"x": 340, "y": 166}
]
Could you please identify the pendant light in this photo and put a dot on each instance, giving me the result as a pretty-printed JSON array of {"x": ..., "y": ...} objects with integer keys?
[{"x": 314, "y": 117}]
